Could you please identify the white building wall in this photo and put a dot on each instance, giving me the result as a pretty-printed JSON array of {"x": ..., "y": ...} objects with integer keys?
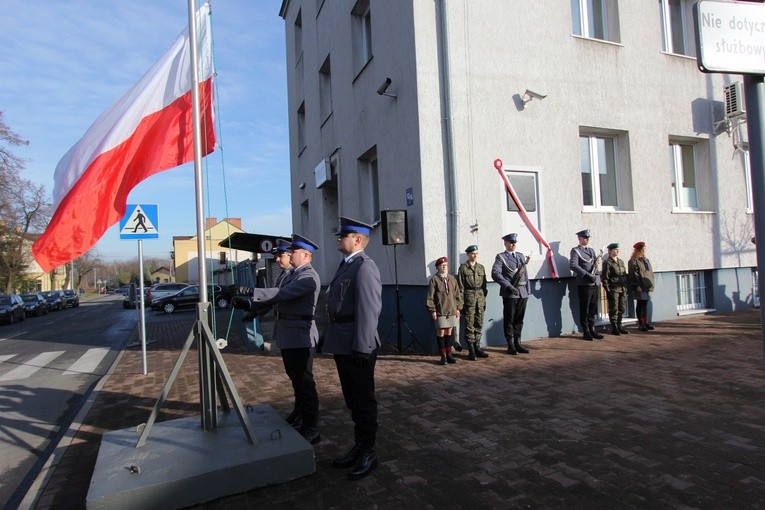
[{"x": 496, "y": 51}]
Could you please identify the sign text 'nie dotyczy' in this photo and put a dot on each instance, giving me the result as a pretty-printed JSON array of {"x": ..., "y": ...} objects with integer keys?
[{"x": 730, "y": 37}]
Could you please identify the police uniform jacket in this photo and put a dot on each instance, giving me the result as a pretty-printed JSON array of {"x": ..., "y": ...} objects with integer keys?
[
  {"x": 503, "y": 271},
  {"x": 614, "y": 276},
  {"x": 640, "y": 274},
  {"x": 354, "y": 302},
  {"x": 472, "y": 281},
  {"x": 294, "y": 305},
  {"x": 583, "y": 263},
  {"x": 442, "y": 300}
]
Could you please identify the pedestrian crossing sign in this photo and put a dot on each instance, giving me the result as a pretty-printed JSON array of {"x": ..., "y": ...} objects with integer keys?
[{"x": 140, "y": 222}]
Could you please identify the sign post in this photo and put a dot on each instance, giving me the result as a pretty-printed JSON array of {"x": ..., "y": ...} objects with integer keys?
[
  {"x": 140, "y": 222},
  {"x": 730, "y": 38}
]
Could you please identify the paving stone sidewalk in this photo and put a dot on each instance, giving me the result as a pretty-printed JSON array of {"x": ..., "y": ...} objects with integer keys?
[{"x": 674, "y": 418}]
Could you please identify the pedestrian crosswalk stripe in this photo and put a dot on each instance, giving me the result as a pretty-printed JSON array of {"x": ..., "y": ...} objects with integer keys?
[
  {"x": 31, "y": 366},
  {"x": 88, "y": 362},
  {"x": 6, "y": 357}
]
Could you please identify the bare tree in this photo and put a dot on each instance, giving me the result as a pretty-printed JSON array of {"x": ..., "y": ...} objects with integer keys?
[
  {"x": 736, "y": 233},
  {"x": 24, "y": 210}
]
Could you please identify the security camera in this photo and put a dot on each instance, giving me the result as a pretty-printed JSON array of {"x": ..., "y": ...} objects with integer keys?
[
  {"x": 383, "y": 89},
  {"x": 530, "y": 94}
]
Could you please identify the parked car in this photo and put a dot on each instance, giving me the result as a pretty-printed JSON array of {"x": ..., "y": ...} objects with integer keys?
[
  {"x": 122, "y": 290},
  {"x": 189, "y": 297},
  {"x": 55, "y": 299},
  {"x": 11, "y": 309},
  {"x": 34, "y": 304},
  {"x": 160, "y": 290},
  {"x": 71, "y": 299}
]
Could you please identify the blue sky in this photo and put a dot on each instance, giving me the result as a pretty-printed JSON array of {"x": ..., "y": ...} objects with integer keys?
[{"x": 63, "y": 62}]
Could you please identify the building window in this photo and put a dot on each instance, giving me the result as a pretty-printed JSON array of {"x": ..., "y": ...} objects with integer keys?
[
  {"x": 325, "y": 90},
  {"x": 301, "y": 128},
  {"x": 369, "y": 188},
  {"x": 298, "y": 34},
  {"x": 596, "y": 19},
  {"x": 362, "y": 34},
  {"x": 691, "y": 290},
  {"x": 597, "y": 161},
  {"x": 683, "y": 175},
  {"x": 305, "y": 217},
  {"x": 675, "y": 32}
]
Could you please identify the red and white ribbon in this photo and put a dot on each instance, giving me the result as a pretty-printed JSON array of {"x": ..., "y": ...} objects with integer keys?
[{"x": 525, "y": 216}]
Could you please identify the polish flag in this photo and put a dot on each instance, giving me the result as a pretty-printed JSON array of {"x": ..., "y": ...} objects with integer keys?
[{"x": 148, "y": 130}]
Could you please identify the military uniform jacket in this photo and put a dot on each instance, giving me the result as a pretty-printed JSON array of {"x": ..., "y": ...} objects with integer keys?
[
  {"x": 354, "y": 302},
  {"x": 294, "y": 305},
  {"x": 614, "y": 276},
  {"x": 503, "y": 271},
  {"x": 472, "y": 279},
  {"x": 583, "y": 263},
  {"x": 640, "y": 274},
  {"x": 440, "y": 300}
]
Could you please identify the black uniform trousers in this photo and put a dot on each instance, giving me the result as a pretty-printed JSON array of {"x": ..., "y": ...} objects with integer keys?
[
  {"x": 298, "y": 363},
  {"x": 358, "y": 384},
  {"x": 513, "y": 312},
  {"x": 588, "y": 305}
]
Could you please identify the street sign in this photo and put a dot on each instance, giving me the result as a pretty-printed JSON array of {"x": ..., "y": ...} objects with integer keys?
[
  {"x": 730, "y": 37},
  {"x": 140, "y": 222}
]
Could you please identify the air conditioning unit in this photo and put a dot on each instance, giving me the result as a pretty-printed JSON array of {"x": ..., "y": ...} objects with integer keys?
[
  {"x": 323, "y": 173},
  {"x": 734, "y": 100}
]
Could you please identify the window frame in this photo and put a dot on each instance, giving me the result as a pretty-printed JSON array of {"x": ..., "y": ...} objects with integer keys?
[
  {"x": 677, "y": 168},
  {"x": 669, "y": 23},
  {"x": 361, "y": 16},
  {"x": 325, "y": 89},
  {"x": 595, "y": 169},
  {"x": 691, "y": 290},
  {"x": 586, "y": 21}
]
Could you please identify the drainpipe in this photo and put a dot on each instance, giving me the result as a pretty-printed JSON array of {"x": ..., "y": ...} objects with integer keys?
[{"x": 448, "y": 133}]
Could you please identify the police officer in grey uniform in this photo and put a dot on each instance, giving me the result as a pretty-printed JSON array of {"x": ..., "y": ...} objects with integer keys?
[
  {"x": 509, "y": 270},
  {"x": 294, "y": 302},
  {"x": 584, "y": 264},
  {"x": 354, "y": 302}
]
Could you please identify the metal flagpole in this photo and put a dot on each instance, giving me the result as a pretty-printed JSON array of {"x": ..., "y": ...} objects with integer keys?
[{"x": 141, "y": 306}]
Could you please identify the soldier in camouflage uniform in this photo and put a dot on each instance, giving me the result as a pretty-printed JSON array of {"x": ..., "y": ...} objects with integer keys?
[
  {"x": 614, "y": 280},
  {"x": 472, "y": 280}
]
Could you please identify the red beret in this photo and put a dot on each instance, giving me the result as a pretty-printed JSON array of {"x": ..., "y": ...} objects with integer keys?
[
  {"x": 441, "y": 261},
  {"x": 638, "y": 245}
]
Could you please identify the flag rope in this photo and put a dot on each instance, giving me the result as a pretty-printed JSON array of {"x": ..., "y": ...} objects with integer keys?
[{"x": 526, "y": 219}]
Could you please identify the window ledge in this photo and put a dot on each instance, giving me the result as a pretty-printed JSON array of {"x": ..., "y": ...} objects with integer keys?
[
  {"x": 679, "y": 55},
  {"x": 691, "y": 211},
  {"x": 604, "y": 41},
  {"x": 696, "y": 311},
  {"x": 366, "y": 64},
  {"x": 607, "y": 211},
  {"x": 329, "y": 115}
]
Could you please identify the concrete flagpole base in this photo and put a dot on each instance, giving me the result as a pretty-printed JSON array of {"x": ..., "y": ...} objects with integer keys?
[{"x": 182, "y": 465}]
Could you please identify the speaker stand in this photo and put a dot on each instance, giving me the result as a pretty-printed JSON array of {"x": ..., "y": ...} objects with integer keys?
[{"x": 399, "y": 321}]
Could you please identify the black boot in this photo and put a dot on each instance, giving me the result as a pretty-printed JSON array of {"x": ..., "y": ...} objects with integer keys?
[
  {"x": 471, "y": 351},
  {"x": 449, "y": 357},
  {"x": 615, "y": 329},
  {"x": 622, "y": 330},
  {"x": 442, "y": 361},
  {"x": 480, "y": 352},
  {"x": 519, "y": 346},
  {"x": 511, "y": 348},
  {"x": 586, "y": 333},
  {"x": 595, "y": 334}
]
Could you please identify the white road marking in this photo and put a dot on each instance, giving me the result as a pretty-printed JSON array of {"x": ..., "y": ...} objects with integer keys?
[
  {"x": 31, "y": 366},
  {"x": 88, "y": 362}
]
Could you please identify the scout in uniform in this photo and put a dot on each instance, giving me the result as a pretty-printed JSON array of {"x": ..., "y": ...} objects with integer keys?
[{"x": 614, "y": 280}]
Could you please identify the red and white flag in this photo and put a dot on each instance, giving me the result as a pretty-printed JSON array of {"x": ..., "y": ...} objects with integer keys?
[{"x": 146, "y": 131}]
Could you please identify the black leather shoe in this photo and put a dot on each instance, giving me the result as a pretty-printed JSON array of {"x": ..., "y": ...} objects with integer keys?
[
  {"x": 349, "y": 459},
  {"x": 622, "y": 330},
  {"x": 366, "y": 462},
  {"x": 587, "y": 335},
  {"x": 310, "y": 434},
  {"x": 294, "y": 417},
  {"x": 596, "y": 335},
  {"x": 512, "y": 351},
  {"x": 450, "y": 359},
  {"x": 457, "y": 346},
  {"x": 649, "y": 326},
  {"x": 520, "y": 348}
]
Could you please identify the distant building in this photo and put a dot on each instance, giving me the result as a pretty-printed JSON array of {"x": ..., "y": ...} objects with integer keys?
[
  {"x": 219, "y": 261},
  {"x": 162, "y": 275},
  {"x": 597, "y": 110}
]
